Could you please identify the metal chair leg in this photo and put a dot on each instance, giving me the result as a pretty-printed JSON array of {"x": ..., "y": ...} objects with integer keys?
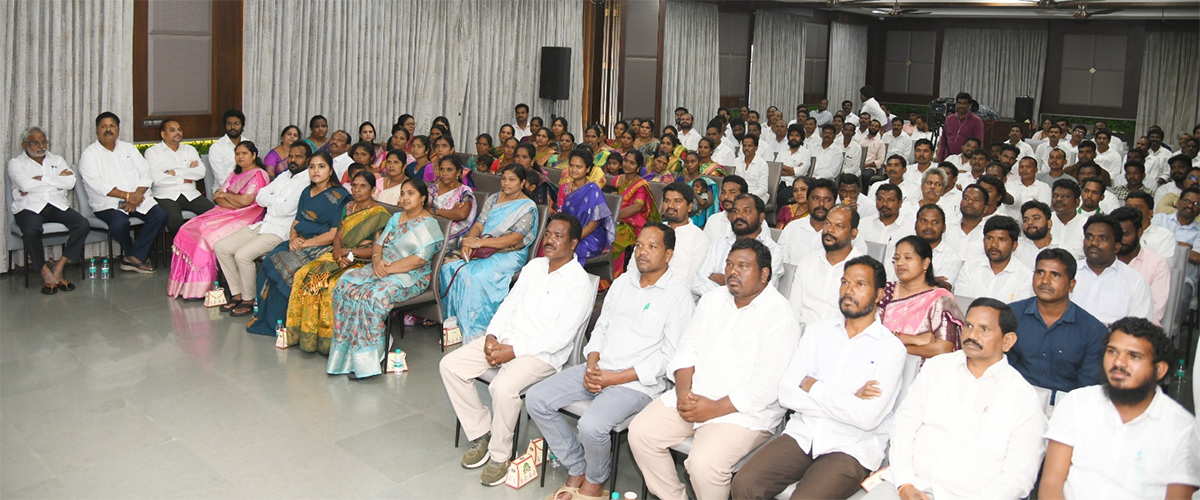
[
  {"x": 457, "y": 431},
  {"x": 26, "y": 264},
  {"x": 545, "y": 453},
  {"x": 616, "y": 450}
]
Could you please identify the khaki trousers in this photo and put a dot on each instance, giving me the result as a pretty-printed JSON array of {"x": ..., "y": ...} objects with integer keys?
[
  {"x": 236, "y": 254},
  {"x": 716, "y": 449},
  {"x": 459, "y": 370}
]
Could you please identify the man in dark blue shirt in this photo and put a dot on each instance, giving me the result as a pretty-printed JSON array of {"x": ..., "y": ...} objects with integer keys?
[{"x": 1059, "y": 346}]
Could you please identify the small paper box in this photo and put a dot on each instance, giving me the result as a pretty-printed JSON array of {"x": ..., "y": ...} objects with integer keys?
[
  {"x": 535, "y": 449},
  {"x": 397, "y": 362},
  {"x": 451, "y": 336},
  {"x": 521, "y": 471}
]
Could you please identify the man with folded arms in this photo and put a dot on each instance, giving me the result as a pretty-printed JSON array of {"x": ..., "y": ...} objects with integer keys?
[
  {"x": 726, "y": 371},
  {"x": 842, "y": 384},
  {"x": 1124, "y": 438},
  {"x": 118, "y": 183},
  {"x": 970, "y": 426},
  {"x": 175, "y": 168},
  {"x": 635, "y": 337},
  {"x": 529, "y": 339}
]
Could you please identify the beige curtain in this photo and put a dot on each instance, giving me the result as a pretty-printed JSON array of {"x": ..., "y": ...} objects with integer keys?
[
  {"x": 847, "y": 64},
  {"x": 995, "y": 66},
  {"x": 777, "y": 67},
  {"x": 690, "y": 62},
  {"x": 66, "y": 62},
  {"x": 1170, "y": 83},
  {"x": 373, "y": 60}
]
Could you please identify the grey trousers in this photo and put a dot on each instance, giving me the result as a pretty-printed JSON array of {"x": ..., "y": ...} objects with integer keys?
[{"x": 610, "y": 407}]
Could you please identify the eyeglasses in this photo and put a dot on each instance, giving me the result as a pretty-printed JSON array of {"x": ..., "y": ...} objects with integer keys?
[
  {"x": 1186, "y": 203},
  {"x": 35, "y": 144}
]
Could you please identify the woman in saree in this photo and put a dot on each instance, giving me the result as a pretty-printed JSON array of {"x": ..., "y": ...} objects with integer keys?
[
  {"x": 585, "y": 201},
  {"x": 645, "y": 140},
  {"x": 798, "y": 209},
  {"x": 542, "y": 150},
  {"x": 669, "y": 144},
  {"x": 924, "y": 316},
  {"x": 557, "y": 128},
  {"x": 637, "y": 208},
  {"x": 387, "y": 188},
  {"x": 506, "y": 132},
  {"x": 193, "y": 261},
  {"x": 399, "y": 140},
  {"x": 421, "y": 148},
  {"x": 593, "y": 137},
  {"x": 473, "y": 288},
  {"x": 310, "y": 309},
  {"x": 626, "y": 143},
  {"x": 524, "y": 157},
  {"x": 400, "y": 269},
  {"x": 659, "y": 171},
  {"x": 409, "y": 124},
  {"x": 450, "y": 199},
  {"x": 482, "y": 160},
  {"x": 276, "y": 160},
  {"x": 566, "y": 142},
  {"x": 704, "y": 188},
  {"x": 318, "y": 135},
  {"x": 508, "y": 151},
  {"x": 366, "y": 133},
  {"x": 362, "y": 153},
  {"x": 619, "y": 130},
  {"x": 704, "y": 149},
  {"x": 312, "y": 233}
]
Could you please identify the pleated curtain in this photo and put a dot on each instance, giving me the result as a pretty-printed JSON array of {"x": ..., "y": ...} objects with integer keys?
[
  {"x": 1170, "y": 83},
  {"x": 373, "y": 60},
  {"x": 66, "y": 62},
  {"x": 995, "y": 66},
  {"x": 690, "y": 62},
  {"x": 847, "y": 64},
  {"x": 777, "y": 67}
]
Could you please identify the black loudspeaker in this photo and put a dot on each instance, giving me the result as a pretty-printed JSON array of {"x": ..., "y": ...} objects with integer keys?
[
  {"x": 1023, "y": 110},
  {"x": 555, "y": 83}
]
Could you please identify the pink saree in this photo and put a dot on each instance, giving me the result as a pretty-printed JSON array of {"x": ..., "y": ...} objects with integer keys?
[
  {"x": 934, "y": 310},
  {"x": 193, "y": 262}
]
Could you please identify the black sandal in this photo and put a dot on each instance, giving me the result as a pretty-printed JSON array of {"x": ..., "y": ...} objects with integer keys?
[
  {"x": 230, "y": 306},
  {"x": 49, "y": 289},
  {"x": 65, "y": 286},
  {"x": 249, "y": 309}
]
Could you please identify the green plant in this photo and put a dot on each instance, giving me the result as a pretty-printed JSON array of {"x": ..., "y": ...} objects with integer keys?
[
  {"x": 201, "y": 145},
  {"x": 1127, "y": 127}
]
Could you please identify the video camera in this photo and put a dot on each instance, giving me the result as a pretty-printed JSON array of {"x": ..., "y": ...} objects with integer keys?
[{"x": 939, "y": 109}]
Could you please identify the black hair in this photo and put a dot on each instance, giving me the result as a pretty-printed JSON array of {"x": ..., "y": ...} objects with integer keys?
[
  {"x": 289, "y": 127},
  {"x": 521, "y": 105},
  {"x": 354, "y": 168},
  {"x": 848, "y": 179},
  {"x": 360, "y": 129},
  {"x": 1097, "y": 180},
  {"x": 888, "y": 187},
  {"x": 762, "y": 254},
  {"x": 753, "y": 138},
  {"x": 668, "y": 233},
  {"x": 1087, "y": 143},
  {"x": 854, "y": 217},
  {"x": 683, "y": 190},
  {"x": 312, "y": 122},
  {"x": 1035, "y": 204},
  {"x": 445, "y": 122},
  {"x": 1137, "y": 165},
  {"x": 821, "y": 184},
  {"x": 1128, "y": 214},
  {"x": 369, "y": 147},
  {"x": 575, "y": 232},
  {"x": 231, "y": 113},
  {"x": 994, "y": 182},
  {"x": 420, "y": 186},
  {"x": 1147, "y": 198},
  {"x": 903, "y": 162},
  {"x": 538, "y": 120},
  {"x": 877, "y": 269},
  {"x": 299, "y": 144},
  {"x": 1069, "y": 185},
  {"x": 711, "y": 147},
  {"x": 1008, "y": 319},
  {"x": 828, "y": 127},
  {"x": 162, "y": 127},
  {"x": 448, "y": 138},
  {"x": 925, "y": 142},
  {"x": 253, "y": 149},
  {"x": 759, "y": 205},
  {"x": 797, "y": 128},
  {"x": 366, "y": 176},
  {"x": 424, "y": 140},
  {"x": 108, "y": 114},
  {"x": 529, "y": 148},
  {"x": 1118, "y": 234},
  {"x": 1062, "y": 256},
  {"x": 982, "y": 192},
  {"x": 403, "y": 118},
  {"x": 736, "y": 179},
  {"x": 328, "y": 158},
  {"x": 637, "y": 156},
  {"x": 925, "y": 251},
  {"x": 1143, "y": 329},
  {"x": 454, "y": 160},
  {"x": 1003, "y": 223},
  {"x": 936, "y": 208},
  {"x": 963, "y": 95}
]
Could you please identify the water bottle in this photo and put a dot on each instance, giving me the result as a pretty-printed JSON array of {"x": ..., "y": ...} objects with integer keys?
[
  {"x": 92, "y": 268},
  {"x": 1177, "y": 391},
  {"x": 256, "y": 309},
  {"x": 216, "y": 285},
  {"x": 615, "y": 496},
  {"x": 554, "y": 463},
  {"x": 105, "y": 270},
  {"x": 280, "y": 335}
]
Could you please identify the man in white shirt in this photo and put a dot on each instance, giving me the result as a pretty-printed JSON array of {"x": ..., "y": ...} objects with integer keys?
[
  {"x": 1028, "y": 188},
  {"x": 970, "y": 425},
  {"x": 1156, "y": 156},
  {"x": 813, "y": 296},
  {"x": 753, "y": 167},
  {"x": 220, "y": 153},
  {"x": 969, "y": 147},
  {"x": 850, "y": 193},
  {"x": 41, "y": 183},
  {"x": 829, "y": 155},
  {"x": 812, "y": 134},
  {"x": 774, "y": 143},
  {"x": 727, "y": 371},
  {"x": 521, "y": 127},
  {"x": 118, "y": 182},
  {"x": 339, "y": 149},
  {"x": 899, "y": 143},
  {"x": 1067, "y": 229},
  {"x": 822, "y": 116},
  {"x": 896, "y": 169},
  {"x": 748, "y": 213},
  {"x": 236, "y": 253},
  {"x": 690, "y": 242},
  {"x": 870, "y": 106},
  {"x": 974, "y": 169},
  {"x": 529, "y": 338},
  {"x": 842, "y": 384},
  {"x": 723, "y": 154},
  {"x": 1154, "y": 237},
  {"x": 688, "y": 136},
  {"x": 1149, "y": 263},
  {"x": 1106, "y": 287},
  {"x": 888, "y": 225},
  {"x": 1016, "y": 138},
  {"x": 1035, "y": 228},
  {"x": 852, "y": 153},
  {"x": 966, "y": 235},
  {"x": 1054, "y": 141},
  {"x": 794, "y": 157},
  {"x": 643, "y": 317},
  {"x": 923, "y": 160},
  {"x": 1123, "y": 438},
  {"x": 1179, "y": 166},
  {"x": 864, "y": 126},
  {"x": 175, "y": 168},
  {"x": 720, "y": 224},
  {"x": 803, "y": 236},
  {"x": 1109, "y": 159},
  {"x": 1094, "y": 199},
  {"x": 931, "y": 227},
  {"x": 996, "y": 274}
]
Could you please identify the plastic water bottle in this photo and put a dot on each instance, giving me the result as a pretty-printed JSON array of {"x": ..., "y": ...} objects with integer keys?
[
  {"x": 279, "y": 330},
  {"x": 105, "y": 270},
  {"x": 216, "y": 285},
  {"x": 615, "y": 496},
  {"x": 1177, "y": 391},
  {"x": 554, "y": 463},
  {"x": 92, "y": 268}
]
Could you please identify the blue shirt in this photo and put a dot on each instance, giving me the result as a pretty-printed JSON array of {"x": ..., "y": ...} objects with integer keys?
[
  {"x": 1189, "y": 234},
  {"x": 1062, "y": 357}
]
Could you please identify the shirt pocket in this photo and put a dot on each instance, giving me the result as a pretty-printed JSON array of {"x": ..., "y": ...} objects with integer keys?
[{"x": 649, "y": 325}]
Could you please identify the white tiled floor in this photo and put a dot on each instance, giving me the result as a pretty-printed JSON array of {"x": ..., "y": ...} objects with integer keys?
[{"x": 116, "y": 391}]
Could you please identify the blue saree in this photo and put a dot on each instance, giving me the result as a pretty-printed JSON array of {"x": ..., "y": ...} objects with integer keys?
[{"x": 588, "y": 205}]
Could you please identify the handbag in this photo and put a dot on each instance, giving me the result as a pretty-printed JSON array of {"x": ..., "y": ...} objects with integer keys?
[
  {"x": 215, "y": 298},
  {"x": 478, "y": 254}
]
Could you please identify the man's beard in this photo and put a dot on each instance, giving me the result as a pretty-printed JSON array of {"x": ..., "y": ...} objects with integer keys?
[
  {"x": 1039, "y": 234},
  {"x": 1131, "y": 396},
  {"x": 1127, "y": 250},
  {"x": 793, "y": 144},
  {"x": 746, "y": 231},
  {"x": 295, "y": 169},
  {"x": 233, "y": 134}
]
